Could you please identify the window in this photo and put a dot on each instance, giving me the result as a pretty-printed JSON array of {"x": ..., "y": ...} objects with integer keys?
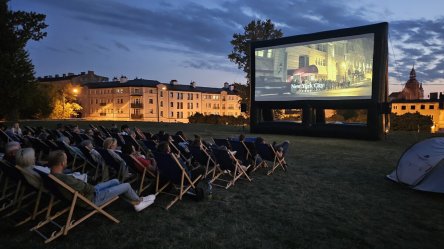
[
  {"x": 197, "y": 96},
  {"x": 161, "y": 93},
  {"x": 161, "y": 103},
  {"x": 151, "y": 90},
  {"x": 412, "y": 107},
  {"x": 151, "y": 111},
  {"x": 171, "y": 114},
  {"x": 197, "y": 105},
  {"x": 171, "y": 94},
  {"x": 422, "y": 107},
  {"x": 172, "y": 104},
  {"x": 150, "y": 101},
  {"x": 403, "y": 107},
  {"x": 161, "y": 113},
  {"x": 431, "y": 107}
]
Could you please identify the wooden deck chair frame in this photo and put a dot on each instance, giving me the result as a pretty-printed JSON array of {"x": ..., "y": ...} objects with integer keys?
[
  {"x": 210, "y": 161},
  {"x": 37, "y": 208},
  {"x": 219, "y": 171},
  {"x": 23, "y": 194},
  {"x": 70, "y": 222},
  {"x": 276, "y": 161},
  {"x": 185, "y": 183},
  {"x": 141, "y": 176}
]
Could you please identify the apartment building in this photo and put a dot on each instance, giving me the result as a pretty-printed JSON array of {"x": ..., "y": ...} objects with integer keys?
[{"x": 151, "y": 100}]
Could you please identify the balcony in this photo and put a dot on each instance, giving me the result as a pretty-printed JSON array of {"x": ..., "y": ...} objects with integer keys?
[
  {"x": 136, "y": 116},
  {"x": 136, "y": 93},
  {"x": 102, "y": 104},
  {"x": 136, "y": 105}
]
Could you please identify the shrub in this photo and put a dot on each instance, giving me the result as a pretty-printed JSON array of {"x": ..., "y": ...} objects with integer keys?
[
  {"x": 410, "y": 122},
  {"x": 217, "y": 119}
]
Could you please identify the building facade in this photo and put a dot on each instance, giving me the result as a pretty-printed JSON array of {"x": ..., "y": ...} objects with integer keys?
[{"x": 151, "y": 100}]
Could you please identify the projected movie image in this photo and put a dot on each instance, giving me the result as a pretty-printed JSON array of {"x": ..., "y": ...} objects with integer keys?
[{"x": 332, "y": 69}]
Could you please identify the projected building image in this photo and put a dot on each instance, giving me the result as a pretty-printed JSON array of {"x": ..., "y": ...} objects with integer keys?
[{"x": 330, "y": 69}]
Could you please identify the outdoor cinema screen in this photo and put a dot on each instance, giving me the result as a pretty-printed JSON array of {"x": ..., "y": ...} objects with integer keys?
[{"x": 331, "y": 69}]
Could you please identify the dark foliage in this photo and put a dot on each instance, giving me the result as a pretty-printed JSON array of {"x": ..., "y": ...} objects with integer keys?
[
  {"x": 217, "y": 119},
  {"x": 411, "y": 122}
]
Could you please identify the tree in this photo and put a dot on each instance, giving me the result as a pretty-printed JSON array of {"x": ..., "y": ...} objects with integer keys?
[
  {"x": 256, "y": 30},
  {"x": 17, "y": 82}
]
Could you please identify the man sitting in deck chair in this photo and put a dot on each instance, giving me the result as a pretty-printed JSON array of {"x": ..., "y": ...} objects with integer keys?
[
  {"x": 101, "y": 192},
  {"x": 279, "y": 151}
]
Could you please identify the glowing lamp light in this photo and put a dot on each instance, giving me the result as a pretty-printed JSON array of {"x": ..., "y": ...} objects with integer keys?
[{"x": 75, "y": 90}]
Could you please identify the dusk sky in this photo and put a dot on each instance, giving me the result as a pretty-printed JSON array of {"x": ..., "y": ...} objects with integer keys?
[{"x": 189, "y": 40}]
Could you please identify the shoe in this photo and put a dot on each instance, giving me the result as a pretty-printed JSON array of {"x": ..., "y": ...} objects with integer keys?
[
  {"x": 149, "y": 198},
  {"x": 285, "y": 167},
  {"x": 142, "y": 205}
]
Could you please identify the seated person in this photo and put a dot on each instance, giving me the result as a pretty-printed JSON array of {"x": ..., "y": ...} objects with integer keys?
[
  {"x": 148, "y": 163},
  {"x": 100, "y": 193},
  {"x": 87, "y": 149},
  {"x": 11, "y": 150},
  {"x": 281, "y": 149},
  {"x": 25, "y": 159},
  {"x": 164, "y": 147},
  {"x": 110, "y": 144}
]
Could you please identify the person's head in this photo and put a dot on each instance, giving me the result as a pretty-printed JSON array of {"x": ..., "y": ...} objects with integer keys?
[
  {"x": 60, "y": 127},
  {"x": 25, "y": 157},
  {"x": 11, "y": 148},
  {"x": 128, "y": 149},
  {"x": 76, "y": 129},
  {"x": 241, "y": 137},
  {"x": 110, "y": 143},
  {"x": 89, "y": 132},
  {"x": 125, "y": 128},
  {"x": 57, "y": 160},
  {"x": 164, "y": 147},
  {"x": 16, "y": 125},
  {"x": 260, "y": 140},
  {"x": 87, "y": 144},
  {"x": 180, "y": 133}
]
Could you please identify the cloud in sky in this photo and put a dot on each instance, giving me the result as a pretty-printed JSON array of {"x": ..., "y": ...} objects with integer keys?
[{"x": 195, "y": 34}]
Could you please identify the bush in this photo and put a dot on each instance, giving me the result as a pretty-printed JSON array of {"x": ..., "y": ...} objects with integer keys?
[
  {"x": 217, "y": 119},
  {"x": 410, "y": 122}
]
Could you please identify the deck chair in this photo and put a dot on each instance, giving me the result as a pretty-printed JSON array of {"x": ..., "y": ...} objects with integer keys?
[
  {"x": 55, "y": 186},
  {"x": 170, "y": 169},
  {"x": 143, "y": 175},
  {"x": 268, "y": 153},
  {"x": 203, "y": 157},
  {"x": 113, "y": 165},
  {"x": 37, "y": 208},
  {"x": 150, "y": 144},
  {"x": 23, "y": 194},
  {"x": 242, "y": 152},
  {"x": 11, "y": 186},
  {"x": 227, "y": 164},
  {"x": 221, "y": 142},
  {"x": 75, "y": 159}
]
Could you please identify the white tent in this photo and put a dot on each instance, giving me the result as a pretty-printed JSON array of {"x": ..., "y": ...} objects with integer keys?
[{"x": 422, "y": 166}]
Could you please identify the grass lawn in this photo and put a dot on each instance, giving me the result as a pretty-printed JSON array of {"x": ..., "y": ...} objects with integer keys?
[{"x": 334, "y": 195}]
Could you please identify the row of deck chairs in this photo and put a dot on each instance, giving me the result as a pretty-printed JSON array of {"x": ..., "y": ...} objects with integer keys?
[{"x": 222, "y": 168}]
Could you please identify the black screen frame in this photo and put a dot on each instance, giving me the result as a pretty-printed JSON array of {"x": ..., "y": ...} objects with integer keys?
[{"x": 373, "y": 129}]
